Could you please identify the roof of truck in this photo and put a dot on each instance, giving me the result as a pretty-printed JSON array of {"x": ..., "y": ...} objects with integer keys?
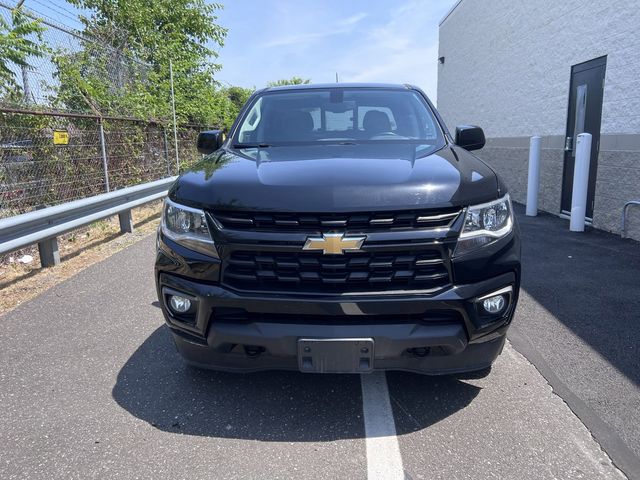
[{"x": 338, "y": 85}]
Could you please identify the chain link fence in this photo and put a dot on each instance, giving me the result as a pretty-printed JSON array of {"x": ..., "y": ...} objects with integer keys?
[
  {"x": 47, "y": 160},
  {"x": 55, "y": 143},
  {"x": 51, "y": 75}
]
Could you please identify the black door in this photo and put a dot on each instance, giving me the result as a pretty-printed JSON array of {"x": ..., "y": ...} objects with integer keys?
[{"x": 585, "y": 111}]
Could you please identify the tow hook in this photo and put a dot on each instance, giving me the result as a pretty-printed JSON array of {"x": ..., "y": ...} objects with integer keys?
[
  {"x": 419, "y": 351},
  {"x": 253, "y": 351}
]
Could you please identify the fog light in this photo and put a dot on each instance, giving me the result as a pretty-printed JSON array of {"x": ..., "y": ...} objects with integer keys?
[
  {"x": 494, "y": 304},
  {"x": 179, "y": 304}
]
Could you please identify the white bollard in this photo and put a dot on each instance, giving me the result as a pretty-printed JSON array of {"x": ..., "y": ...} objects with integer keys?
[
  {"x": 580, "y": 182},
  {"x": 534, "y": 176}
]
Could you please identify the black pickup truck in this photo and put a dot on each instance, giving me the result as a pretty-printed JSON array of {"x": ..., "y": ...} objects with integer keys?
[{"x": 339, "y": 228}]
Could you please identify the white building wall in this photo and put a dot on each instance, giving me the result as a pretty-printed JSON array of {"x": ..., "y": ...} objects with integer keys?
[
  {"x": 521, "y": 53},
  {"x": 507, "y": 67}
]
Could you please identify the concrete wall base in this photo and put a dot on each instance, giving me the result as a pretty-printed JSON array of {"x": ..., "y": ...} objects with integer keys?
[{"x": 618, "y": 177}]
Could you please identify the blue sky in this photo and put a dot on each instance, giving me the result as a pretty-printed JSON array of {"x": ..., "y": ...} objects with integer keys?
[
  {"x": 363, "y": 41},
  {"x": 369, "y": 41}
]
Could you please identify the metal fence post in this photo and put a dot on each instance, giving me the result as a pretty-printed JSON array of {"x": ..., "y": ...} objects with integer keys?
[
  {"x": 166, "y": 149},
  {"x": 26, "y": 86},
  {"x": 173, "y": 109},
  {"x": 580, "y": 182},
  {"x": 533, "y": 177},
  {"x": 104, "y": 155}
]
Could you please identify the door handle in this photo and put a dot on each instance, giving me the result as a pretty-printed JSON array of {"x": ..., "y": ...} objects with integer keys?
[{"x": 568, "y": 144}]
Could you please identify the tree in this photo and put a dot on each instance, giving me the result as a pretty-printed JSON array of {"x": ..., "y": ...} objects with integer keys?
[
  {"x": 236, "y": 97},
  {"x": 290, "y": 81},
  {"x": 104, "y": 80},
  {"x": 18, "y": 41},
  {"x": 131, "y": 74},
  {"x": 227, "y": 103}
]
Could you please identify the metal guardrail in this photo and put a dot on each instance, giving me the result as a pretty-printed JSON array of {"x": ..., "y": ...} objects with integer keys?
[
  {"x": 45, "y": 225},
  {"x": 624, "y": 216}
]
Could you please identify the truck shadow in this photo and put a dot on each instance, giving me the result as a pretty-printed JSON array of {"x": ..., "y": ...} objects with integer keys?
[{"x": 155, "y": 386}]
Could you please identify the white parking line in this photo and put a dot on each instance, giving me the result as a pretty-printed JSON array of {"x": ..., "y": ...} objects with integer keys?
[{"x": 383, "y": 452}]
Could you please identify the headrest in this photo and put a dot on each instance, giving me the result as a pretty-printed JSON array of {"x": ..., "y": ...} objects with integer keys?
[{"x": 375, "y": 121}]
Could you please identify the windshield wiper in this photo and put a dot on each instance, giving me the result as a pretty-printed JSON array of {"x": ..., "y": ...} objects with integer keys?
[{"x": 251, "y": 145}]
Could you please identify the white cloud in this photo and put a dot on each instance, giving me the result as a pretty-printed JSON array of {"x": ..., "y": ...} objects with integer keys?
[
  {"x": 385, "y": 42},
  {"x": 353, "y": 19},
  {"x": 344, "y": 26},
  {"x": 401, "y": 50},
  {"x": 416, "y": 66},
  {"x": 297, "y": 39}
]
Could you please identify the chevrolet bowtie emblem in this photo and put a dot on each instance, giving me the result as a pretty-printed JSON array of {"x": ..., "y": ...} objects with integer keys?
[{"x": 334, "y": 243}]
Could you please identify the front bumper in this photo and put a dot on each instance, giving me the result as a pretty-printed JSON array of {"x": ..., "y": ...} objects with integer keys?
[{"x": 434, "y": 334}]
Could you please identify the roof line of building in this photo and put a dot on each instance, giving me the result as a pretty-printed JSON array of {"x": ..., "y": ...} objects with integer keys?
[{"x": 455, "y": 5}]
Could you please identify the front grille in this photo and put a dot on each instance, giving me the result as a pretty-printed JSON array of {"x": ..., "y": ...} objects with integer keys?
[
  {"x": 314, "y": 272},
  {"x": 346, "y": 222}
]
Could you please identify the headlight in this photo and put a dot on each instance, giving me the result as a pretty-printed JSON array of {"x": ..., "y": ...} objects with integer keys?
[
  {"x": 485, "y": 223},
  {"x": 188, "y": 227}
]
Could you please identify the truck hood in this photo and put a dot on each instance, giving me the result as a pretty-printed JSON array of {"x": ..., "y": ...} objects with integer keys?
[{"x": 337, "y": 178}]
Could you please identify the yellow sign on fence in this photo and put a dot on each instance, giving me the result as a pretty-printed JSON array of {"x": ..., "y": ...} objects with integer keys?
[{"x": 60, "y": 137}]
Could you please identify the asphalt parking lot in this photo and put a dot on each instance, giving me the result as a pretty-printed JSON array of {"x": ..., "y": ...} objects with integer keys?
[{"x": 91, "y": 387}]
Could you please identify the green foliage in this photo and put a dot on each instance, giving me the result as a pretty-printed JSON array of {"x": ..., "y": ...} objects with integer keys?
[
  {"x": 18, "y": 41},
  {"x": 131, "y": 73},
  {"x": 238, "y": 96},
  {"x": 122, "y": 67},
  {"x": 289, "y": 81},
  {"x": 228, "y": 102},
  {"x": 97, "y": 80}
]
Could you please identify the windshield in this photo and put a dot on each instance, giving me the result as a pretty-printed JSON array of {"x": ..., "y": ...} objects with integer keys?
[{"x": 338, "y": 115}]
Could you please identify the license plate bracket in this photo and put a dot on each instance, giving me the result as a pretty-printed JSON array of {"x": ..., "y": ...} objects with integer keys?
[{"x": 335, "y": 355}]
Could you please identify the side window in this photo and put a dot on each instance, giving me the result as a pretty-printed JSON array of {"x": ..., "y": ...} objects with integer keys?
[{"x": 248, "y": 128}]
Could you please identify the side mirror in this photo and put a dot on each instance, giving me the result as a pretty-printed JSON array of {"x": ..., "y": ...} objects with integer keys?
[
  {"x": 210, "y": 141},
  {"x": 469, "y": 137}
]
